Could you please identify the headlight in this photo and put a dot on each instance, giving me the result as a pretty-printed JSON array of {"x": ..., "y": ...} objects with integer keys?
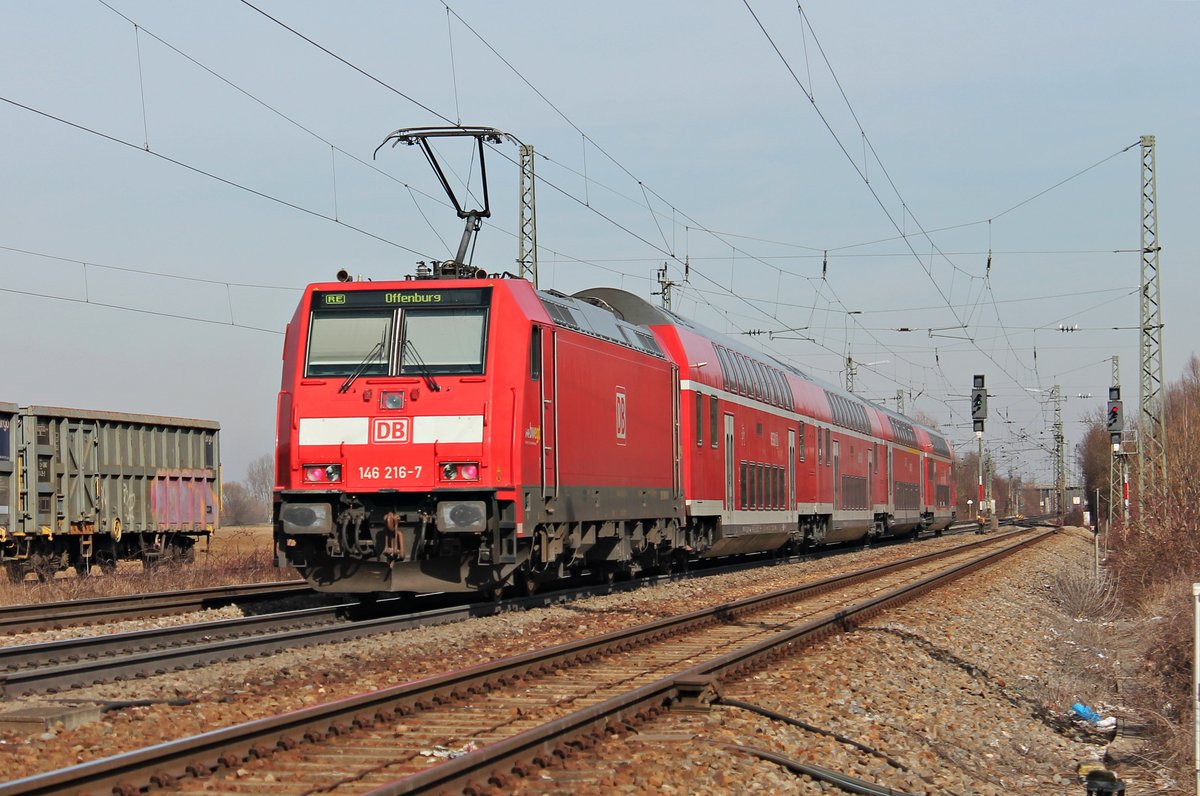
[
  {"x": 461, "y": 516},
  {"x": 322, "y": 473}
]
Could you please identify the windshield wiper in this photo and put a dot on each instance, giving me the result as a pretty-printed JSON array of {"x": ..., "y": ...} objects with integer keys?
[
  {"x": 430, "y": 381},
  {"x": 375, "y": 351}
]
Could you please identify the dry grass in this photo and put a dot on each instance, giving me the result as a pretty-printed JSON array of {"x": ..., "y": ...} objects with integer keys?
[
  {"x": 234, "y": 555},
  {"x": 1154, "y": 566}
]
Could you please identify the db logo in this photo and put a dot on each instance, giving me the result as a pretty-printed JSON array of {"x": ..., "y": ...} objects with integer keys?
[
  {"x": 622, "y": 422},
  {"x": 390, "y": 429}
]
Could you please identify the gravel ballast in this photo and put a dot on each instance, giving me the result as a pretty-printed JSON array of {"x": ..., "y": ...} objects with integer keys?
[{"x": 967, "y": 687}]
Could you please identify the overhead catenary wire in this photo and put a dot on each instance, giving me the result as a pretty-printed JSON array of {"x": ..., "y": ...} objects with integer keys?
[
  {"x": 655, "y": 214},
  {"x": 863, "y": 176}
]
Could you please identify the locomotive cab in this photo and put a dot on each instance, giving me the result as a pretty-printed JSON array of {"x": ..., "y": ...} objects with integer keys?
[{"x": 387, "y": 479}]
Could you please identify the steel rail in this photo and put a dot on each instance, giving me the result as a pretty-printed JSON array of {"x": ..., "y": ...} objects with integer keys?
[
  {"x": 57, "y": 665},
  {"x": 494, "y": 765},
  {"x": 29, "y": 656},
  {"x": 43, "y": 616},
  {"x": 231, "y": 746}
]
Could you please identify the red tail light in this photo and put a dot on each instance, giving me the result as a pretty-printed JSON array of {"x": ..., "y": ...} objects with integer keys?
[{"x": 322, "y": 473}]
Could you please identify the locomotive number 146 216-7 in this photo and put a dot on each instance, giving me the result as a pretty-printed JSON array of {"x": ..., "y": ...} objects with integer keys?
[{"x": 390, "y": 472}]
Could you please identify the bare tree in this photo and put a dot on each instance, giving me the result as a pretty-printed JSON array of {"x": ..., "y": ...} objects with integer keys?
[
  {"x": 260, "y": 480},
  {"x": 238, "y": 506}
]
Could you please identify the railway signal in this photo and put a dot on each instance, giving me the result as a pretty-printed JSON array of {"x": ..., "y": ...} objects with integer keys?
[
  {"x": 978, "y": 402},
  {"x": 1114, "y": 418}
]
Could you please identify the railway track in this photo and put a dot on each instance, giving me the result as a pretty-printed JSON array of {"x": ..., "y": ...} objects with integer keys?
[
  {"x": 512, "y": 715},
  {"x": 72, "y": 613},
  {"x": 55, "y": 666}
]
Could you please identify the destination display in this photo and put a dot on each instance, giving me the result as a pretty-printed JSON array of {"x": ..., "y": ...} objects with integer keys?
[{"x": 357, "y": 299}]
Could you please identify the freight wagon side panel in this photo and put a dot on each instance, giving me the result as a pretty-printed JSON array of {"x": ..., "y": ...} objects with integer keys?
[{"x": 112, "y": 473}]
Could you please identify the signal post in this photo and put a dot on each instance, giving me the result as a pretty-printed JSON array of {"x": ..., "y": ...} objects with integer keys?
[{"x": 978, "y": 415}]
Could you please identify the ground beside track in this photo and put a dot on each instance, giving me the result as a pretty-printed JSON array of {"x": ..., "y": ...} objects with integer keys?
[
  {"x": 1023, "y": 652},
  {"x": 968, "y": 687}
]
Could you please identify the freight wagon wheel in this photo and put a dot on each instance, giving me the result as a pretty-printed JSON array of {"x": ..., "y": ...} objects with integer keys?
[
  {"x": 107, "y": 560},
  {"x": 16, "y": 570},
  {"x": 83, "y": 567},
  {"x": 526, "y": 584},
  {"x": 43, "y": 566}
]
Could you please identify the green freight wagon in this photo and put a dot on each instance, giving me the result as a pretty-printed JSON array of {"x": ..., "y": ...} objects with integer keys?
[{"x": 81, "y": 488}]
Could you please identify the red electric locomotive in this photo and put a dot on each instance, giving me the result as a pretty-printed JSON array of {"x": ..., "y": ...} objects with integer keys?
[
  {"x": 452, "y": 434},
  {"x": 463, "y": 432}
]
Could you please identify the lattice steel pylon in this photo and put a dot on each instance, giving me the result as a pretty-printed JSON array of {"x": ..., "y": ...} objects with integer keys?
[
  {"x": 527, "y": 254},
  {"x": 1152, "y": 434}
]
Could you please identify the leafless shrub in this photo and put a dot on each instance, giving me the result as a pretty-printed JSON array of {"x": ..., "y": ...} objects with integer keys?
[{"x": 1084, "y": 595}]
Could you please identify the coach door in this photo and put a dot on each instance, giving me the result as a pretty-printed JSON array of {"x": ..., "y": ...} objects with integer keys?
[
  {"x": 549, "y": 419},
  {"x": 870, "y": 478},
  {"x": 922, "y": 477},
  {"x": 791, "y": 469},
  {"x": 729, "y": 473},
  {"x": 837, "y": 474}
]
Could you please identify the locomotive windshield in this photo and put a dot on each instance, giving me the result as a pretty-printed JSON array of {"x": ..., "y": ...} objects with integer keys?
[
  {"x": 444, "y": 341},
  {"x": 363, "y": 333},
  {"x": 340, "y": 343}
]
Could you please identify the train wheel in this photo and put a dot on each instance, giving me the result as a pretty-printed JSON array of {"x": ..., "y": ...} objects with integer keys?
[
  {"x": 83, "y": 567},
  {"x": 107, "y": 562}
]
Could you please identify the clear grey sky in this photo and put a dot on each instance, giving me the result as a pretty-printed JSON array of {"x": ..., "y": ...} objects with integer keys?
[{"x": 667, "y": 132}]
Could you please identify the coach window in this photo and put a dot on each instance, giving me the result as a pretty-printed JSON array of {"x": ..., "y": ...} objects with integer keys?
[
  {"x": 726, "y": 370},
  {"x": 699, "y": 419},
  {"x": 828, "y": 448},
  {"x": 743, "y": 383},
  {"x": 535, "y": 354},
  {"x": 761, "y": 376},
  {"x": 747, "y": 376},
  {"x": 760, "y": 386},
  {"x": 742, "y": 485},
  {"x": 339, "y": 343},
  {"x": 764, "y": 389},
  {"x": 801, "y": 442},
  {"x": 777, "y": 381},
  {"x": 713, "y": 418}
]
